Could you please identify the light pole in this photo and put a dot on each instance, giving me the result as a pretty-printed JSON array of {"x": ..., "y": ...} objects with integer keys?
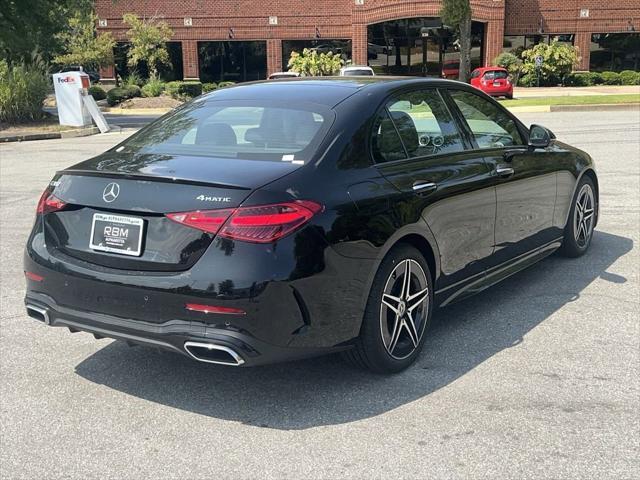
[{"x": 424, "y": 33}]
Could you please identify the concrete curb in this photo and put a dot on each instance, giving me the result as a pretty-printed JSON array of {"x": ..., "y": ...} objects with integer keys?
[
  {"x": 136, "y": 111},
  {"x": 530, "y": 109},
  {"x": 573, "y": 108},
  {"x": 80, "y": 132},
  {"x": 597, "y": 107}
]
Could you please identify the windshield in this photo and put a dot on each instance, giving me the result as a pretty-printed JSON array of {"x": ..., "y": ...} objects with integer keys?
[
  {"x": 354, "y": 73},
  {"x": 249, "y": 130}
]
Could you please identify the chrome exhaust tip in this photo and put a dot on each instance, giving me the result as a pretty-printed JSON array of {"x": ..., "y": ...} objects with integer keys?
[
  {"x": 38, "y": 313},
  {"x": 213, "y": 353}
]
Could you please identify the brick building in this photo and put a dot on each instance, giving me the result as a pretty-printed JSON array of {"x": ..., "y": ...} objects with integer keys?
[{"x": 241, "y": 40}]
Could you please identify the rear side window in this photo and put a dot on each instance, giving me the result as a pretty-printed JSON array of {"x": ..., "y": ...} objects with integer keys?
[
  {"x": 241, "y": 129},
  {"x": 415, "y": 124},
  {"x": 490, "y": 126}
]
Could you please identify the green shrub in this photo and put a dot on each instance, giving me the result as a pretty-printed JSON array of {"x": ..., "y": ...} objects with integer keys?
[
  {"x": 23, "y": 88},
  {"x": 227, "y": 83},
  {"x": 153, "y": 89},
  {"x": 577, "y": 79},
  {"x": 183, "y": 90},
  {"x": 611, "y": 78},
  {"x": 209, "y": 87},
  {"x": 527, "y": 80},
  {"x": 629, "y": 77},
  {"x": 97, "y": 92},
  {"x": 133, "y": 78},
  {"x": 116, "y": 95},
  {"x": 133, "y": 91},
  {"x": 509, "y": 62},
  {"x": 596, "y": 78},
  {"x": 191, "y": 89},
  {"x": 171, "y": 88},
  {"x": 558, "y": 61},
  {"x": 119, "y": 94}
]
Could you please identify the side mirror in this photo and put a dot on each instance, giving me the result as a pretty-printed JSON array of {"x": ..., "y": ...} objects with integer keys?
[{"x": 540, "y": 137}]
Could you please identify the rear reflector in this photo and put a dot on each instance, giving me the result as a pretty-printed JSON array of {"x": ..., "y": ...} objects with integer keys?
[
  {"x": 49, "y": 203},
  {"x": 196, "y": 307},
  {"x": 259, "y": 224},
  {"x": 33, "y": 276},
  {"x": 205, "y": 220}
]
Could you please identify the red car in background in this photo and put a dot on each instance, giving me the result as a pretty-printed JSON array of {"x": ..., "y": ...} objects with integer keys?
[{"x": 493, "y": 81}]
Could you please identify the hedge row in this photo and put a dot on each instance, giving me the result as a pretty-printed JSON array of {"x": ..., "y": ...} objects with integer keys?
[{"x": 586, "y": 79}]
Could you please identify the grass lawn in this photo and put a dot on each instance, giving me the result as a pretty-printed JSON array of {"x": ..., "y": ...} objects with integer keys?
[{"x": 574, "y": 100}]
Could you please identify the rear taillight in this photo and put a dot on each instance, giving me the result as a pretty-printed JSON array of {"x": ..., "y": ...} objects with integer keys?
[
  {"x": 49, "y": 203},
  {"x": 259, "y": 224}
]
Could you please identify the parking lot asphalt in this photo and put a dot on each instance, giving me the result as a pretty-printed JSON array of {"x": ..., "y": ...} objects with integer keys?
[{"x": 537, "y": 377}]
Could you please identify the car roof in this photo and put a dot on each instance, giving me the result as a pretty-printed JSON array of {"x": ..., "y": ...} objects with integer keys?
[
  {"x": 489, "y": 69},
  {"x": 327, "y": 91}
]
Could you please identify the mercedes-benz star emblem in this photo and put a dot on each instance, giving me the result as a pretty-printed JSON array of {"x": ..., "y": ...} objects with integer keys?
[{"x": 111, "y": 192}]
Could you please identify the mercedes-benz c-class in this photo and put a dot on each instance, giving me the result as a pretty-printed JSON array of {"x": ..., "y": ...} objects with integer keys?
[{"x": 291, "y": 218}]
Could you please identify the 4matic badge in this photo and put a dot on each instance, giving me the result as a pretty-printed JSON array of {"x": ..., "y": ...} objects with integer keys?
[{"x": 207, "y": 198}]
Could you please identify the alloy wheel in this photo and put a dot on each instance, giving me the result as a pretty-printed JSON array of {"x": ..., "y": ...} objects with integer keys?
[
  {"x": 404, "y": 309},
  {"x": 583, "y": 221}
]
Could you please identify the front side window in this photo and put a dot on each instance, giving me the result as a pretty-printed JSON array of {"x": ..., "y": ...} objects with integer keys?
[
  {"x": 490, "y": 126},
  {"x": 422, "y": 123},
  {"x": 241, "y": 129}
]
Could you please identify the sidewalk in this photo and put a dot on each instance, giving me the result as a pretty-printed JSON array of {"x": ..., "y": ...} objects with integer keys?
[{"x": 531, "y": 92}]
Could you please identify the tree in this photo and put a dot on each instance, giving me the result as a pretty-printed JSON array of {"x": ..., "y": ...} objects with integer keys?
[
  {"x": 148, "y": 37},
  {"x": 457, "y": 14},
  {"x": 82, "y": 45},
  {"x": 314, "y": 64},
  {"x": 558, "y": 60},
  {"x": 27, "y": 26}
]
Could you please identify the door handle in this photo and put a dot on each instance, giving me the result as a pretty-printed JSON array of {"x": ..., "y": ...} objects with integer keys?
[
  {"x": 504, "y": 171},
  {"x": 424, "y": 187},
  {"x": 509, "y": 154}
]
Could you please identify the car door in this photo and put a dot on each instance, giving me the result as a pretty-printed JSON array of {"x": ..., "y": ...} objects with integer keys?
[
  {"x": 419, "y": 148},
  {"x": 525, "y": 179}
]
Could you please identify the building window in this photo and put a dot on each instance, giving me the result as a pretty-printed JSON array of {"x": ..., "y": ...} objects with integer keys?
[
  {"x": 340, "y": 47},
  {"x": 232, "y": 61},
  {"x": 419, "y": 46},
  {"x": 516, "y": 44},
  {"x": 615, "y": 52},
  {"x": 170, "y": 72}
]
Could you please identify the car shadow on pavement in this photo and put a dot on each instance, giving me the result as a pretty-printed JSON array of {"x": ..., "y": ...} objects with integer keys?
[{"x": 326, "y": 391}]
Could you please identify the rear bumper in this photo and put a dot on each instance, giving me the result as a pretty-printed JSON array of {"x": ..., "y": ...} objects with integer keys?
[{"x": 228, "y": 347}]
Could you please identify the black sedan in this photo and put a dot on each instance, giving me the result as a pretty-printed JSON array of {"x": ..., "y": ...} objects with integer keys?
[{"x": 291, "y": 218}]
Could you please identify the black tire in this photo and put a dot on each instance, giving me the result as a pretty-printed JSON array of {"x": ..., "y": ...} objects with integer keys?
[
  {"x": 577, "y": 235},
  {"x": 377, "y": 334},
  {"x": 509, "y": 97}
]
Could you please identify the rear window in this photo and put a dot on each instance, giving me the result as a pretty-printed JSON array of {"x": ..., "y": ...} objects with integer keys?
[
  {"x": 495, "y": 74},
  {"x": 354, "y": 73},
  {"x": 239, "y": 129}
]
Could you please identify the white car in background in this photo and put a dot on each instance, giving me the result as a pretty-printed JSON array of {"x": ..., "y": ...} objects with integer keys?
[{"x": 356, "y": 71}]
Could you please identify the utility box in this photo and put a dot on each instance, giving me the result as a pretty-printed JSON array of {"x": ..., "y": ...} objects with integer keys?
[{"x": 70, "y": 87}]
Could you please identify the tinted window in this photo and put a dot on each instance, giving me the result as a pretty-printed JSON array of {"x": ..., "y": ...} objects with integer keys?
[
  {"x": 424, "y": 123},
  {"x": 491, "y": 127},
  {"x": 495, "y": 74},
  {"x": 385, "y": 143},
  {"x": 354, "y": 73},
  {"x": 246, "y": 130}
]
